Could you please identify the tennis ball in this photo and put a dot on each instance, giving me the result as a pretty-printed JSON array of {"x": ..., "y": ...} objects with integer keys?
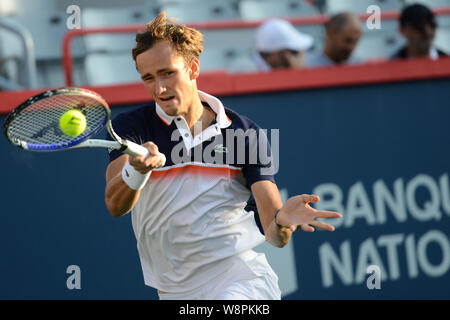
[{"x": 72, "y": 123}]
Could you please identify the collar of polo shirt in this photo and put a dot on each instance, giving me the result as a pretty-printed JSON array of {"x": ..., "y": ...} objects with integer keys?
[{"x": 213, "y": 102}]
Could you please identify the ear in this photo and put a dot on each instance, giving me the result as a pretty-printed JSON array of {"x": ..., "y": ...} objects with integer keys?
[
  {"x": 195, "y": 69},
  {"x": 329, "y": 32}
]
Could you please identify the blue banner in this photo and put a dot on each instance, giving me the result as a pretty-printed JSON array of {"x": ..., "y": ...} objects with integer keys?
[{"x": 379, "y": 154}]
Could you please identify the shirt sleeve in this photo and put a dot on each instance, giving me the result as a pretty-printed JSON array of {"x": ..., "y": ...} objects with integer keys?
[
  {"x": 259, "y": 160},
  {"x": 251, "y": 206}
]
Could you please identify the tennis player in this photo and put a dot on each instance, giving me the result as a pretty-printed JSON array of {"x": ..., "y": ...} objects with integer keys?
[{"x": 194, "y": 234}]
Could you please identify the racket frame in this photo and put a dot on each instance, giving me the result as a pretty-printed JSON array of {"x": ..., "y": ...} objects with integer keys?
[{"x": 123, "y": 145}]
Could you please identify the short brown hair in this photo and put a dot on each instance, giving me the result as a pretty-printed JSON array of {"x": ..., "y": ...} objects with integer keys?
[
  {"x": 338, "y": 21},
  {"x": 188, "y": 42}
]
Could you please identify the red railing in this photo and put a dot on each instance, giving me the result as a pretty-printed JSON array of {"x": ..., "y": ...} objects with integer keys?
[
  {"x": 224, "y": 84},
  {"x": 216, "y": 25}
]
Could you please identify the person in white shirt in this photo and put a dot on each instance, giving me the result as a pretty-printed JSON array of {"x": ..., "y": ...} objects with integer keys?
[
  {"x": 194, "y": 234},
  {"x": 278, "y": 46}
]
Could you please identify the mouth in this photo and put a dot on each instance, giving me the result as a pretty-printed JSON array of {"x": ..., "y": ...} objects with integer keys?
[{"x": 165, "y": 99}]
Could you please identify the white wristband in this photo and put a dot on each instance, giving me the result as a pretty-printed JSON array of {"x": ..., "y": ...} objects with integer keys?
[{"x": 134, "y": 179}]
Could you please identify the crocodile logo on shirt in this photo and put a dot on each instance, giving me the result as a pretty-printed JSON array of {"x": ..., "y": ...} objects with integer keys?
[{"x": 220, "y": 148}]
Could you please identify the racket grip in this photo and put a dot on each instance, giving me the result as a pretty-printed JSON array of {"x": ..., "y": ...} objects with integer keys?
[{"x": 135, "y": 150}]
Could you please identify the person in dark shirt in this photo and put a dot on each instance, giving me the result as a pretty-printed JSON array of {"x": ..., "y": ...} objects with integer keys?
[{"x": 418, "y": 25}]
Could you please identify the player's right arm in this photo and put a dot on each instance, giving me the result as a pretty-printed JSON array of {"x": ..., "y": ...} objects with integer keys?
[{"x": 119, "y": 197}]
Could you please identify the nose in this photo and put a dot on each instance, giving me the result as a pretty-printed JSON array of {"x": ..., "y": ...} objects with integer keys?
[{"x": 160, "y": 87}]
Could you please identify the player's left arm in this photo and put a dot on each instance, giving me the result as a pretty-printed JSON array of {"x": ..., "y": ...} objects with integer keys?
[{"x": 294, "y": 213}]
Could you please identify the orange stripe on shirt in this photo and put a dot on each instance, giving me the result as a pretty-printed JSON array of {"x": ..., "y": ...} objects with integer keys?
[{"x": 195, "y": 169}]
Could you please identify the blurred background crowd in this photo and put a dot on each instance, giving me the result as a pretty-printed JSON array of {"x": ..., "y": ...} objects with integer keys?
[{"x": 240, "y": 36}]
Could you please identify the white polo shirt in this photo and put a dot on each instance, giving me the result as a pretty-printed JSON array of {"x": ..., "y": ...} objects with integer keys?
[{"x": 190, "y": 216}]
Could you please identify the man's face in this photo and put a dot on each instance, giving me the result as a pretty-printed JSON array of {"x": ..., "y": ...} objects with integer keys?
[
  {"x": 420, "y": 40},
  {"x": 343, "y": 42},
  {"x": 285, "y": 59},
  {"x": 167, "y": 78}
]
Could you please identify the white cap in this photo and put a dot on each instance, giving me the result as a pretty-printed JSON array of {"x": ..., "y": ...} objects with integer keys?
[{"x": 277, "y": 34}]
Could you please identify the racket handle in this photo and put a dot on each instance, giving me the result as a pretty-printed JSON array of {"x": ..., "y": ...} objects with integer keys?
[{"x": 135, "y": 150}]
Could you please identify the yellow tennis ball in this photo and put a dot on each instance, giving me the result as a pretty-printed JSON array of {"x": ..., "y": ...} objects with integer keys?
[{"x": 72, "y": 123}]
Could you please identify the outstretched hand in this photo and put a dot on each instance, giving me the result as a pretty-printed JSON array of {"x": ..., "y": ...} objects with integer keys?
[{"x": 297, "y": 212}]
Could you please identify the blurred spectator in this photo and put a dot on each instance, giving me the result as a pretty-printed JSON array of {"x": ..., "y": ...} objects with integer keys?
[
  {"x": 343, "y": 33},
  {"x": 418, "y": 26},
  {"x": 279, "y": 46}
]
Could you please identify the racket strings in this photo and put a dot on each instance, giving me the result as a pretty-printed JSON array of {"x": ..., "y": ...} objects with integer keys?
[{"x": 39, "y": 123}]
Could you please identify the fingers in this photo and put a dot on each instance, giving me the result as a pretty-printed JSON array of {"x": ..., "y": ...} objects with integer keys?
[
  {"x": 152, "y": 148},
  {"x": 310, "y": 198},
  {"x": 307, "y": 228},
  {"x": 328, "y": 214},
  {"x": 322, "y": 225},
  {"x": 146, "y": 164},
  {"x": 305, "y": 216}
]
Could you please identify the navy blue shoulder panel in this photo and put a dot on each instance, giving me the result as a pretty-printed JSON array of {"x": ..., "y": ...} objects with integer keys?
[
  {"x": 240, "y": 121},
  {"x": 253, "y": 171},
  {"x": 139, "y": 126}
]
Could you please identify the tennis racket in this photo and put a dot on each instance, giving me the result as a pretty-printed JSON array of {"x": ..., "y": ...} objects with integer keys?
[{"x": 34, "y": 124}]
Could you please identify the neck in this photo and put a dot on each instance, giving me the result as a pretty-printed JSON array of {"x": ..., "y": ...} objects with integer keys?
[
  {"x": 198, "y": 116},
  {"x": 417, "y": 53}
]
